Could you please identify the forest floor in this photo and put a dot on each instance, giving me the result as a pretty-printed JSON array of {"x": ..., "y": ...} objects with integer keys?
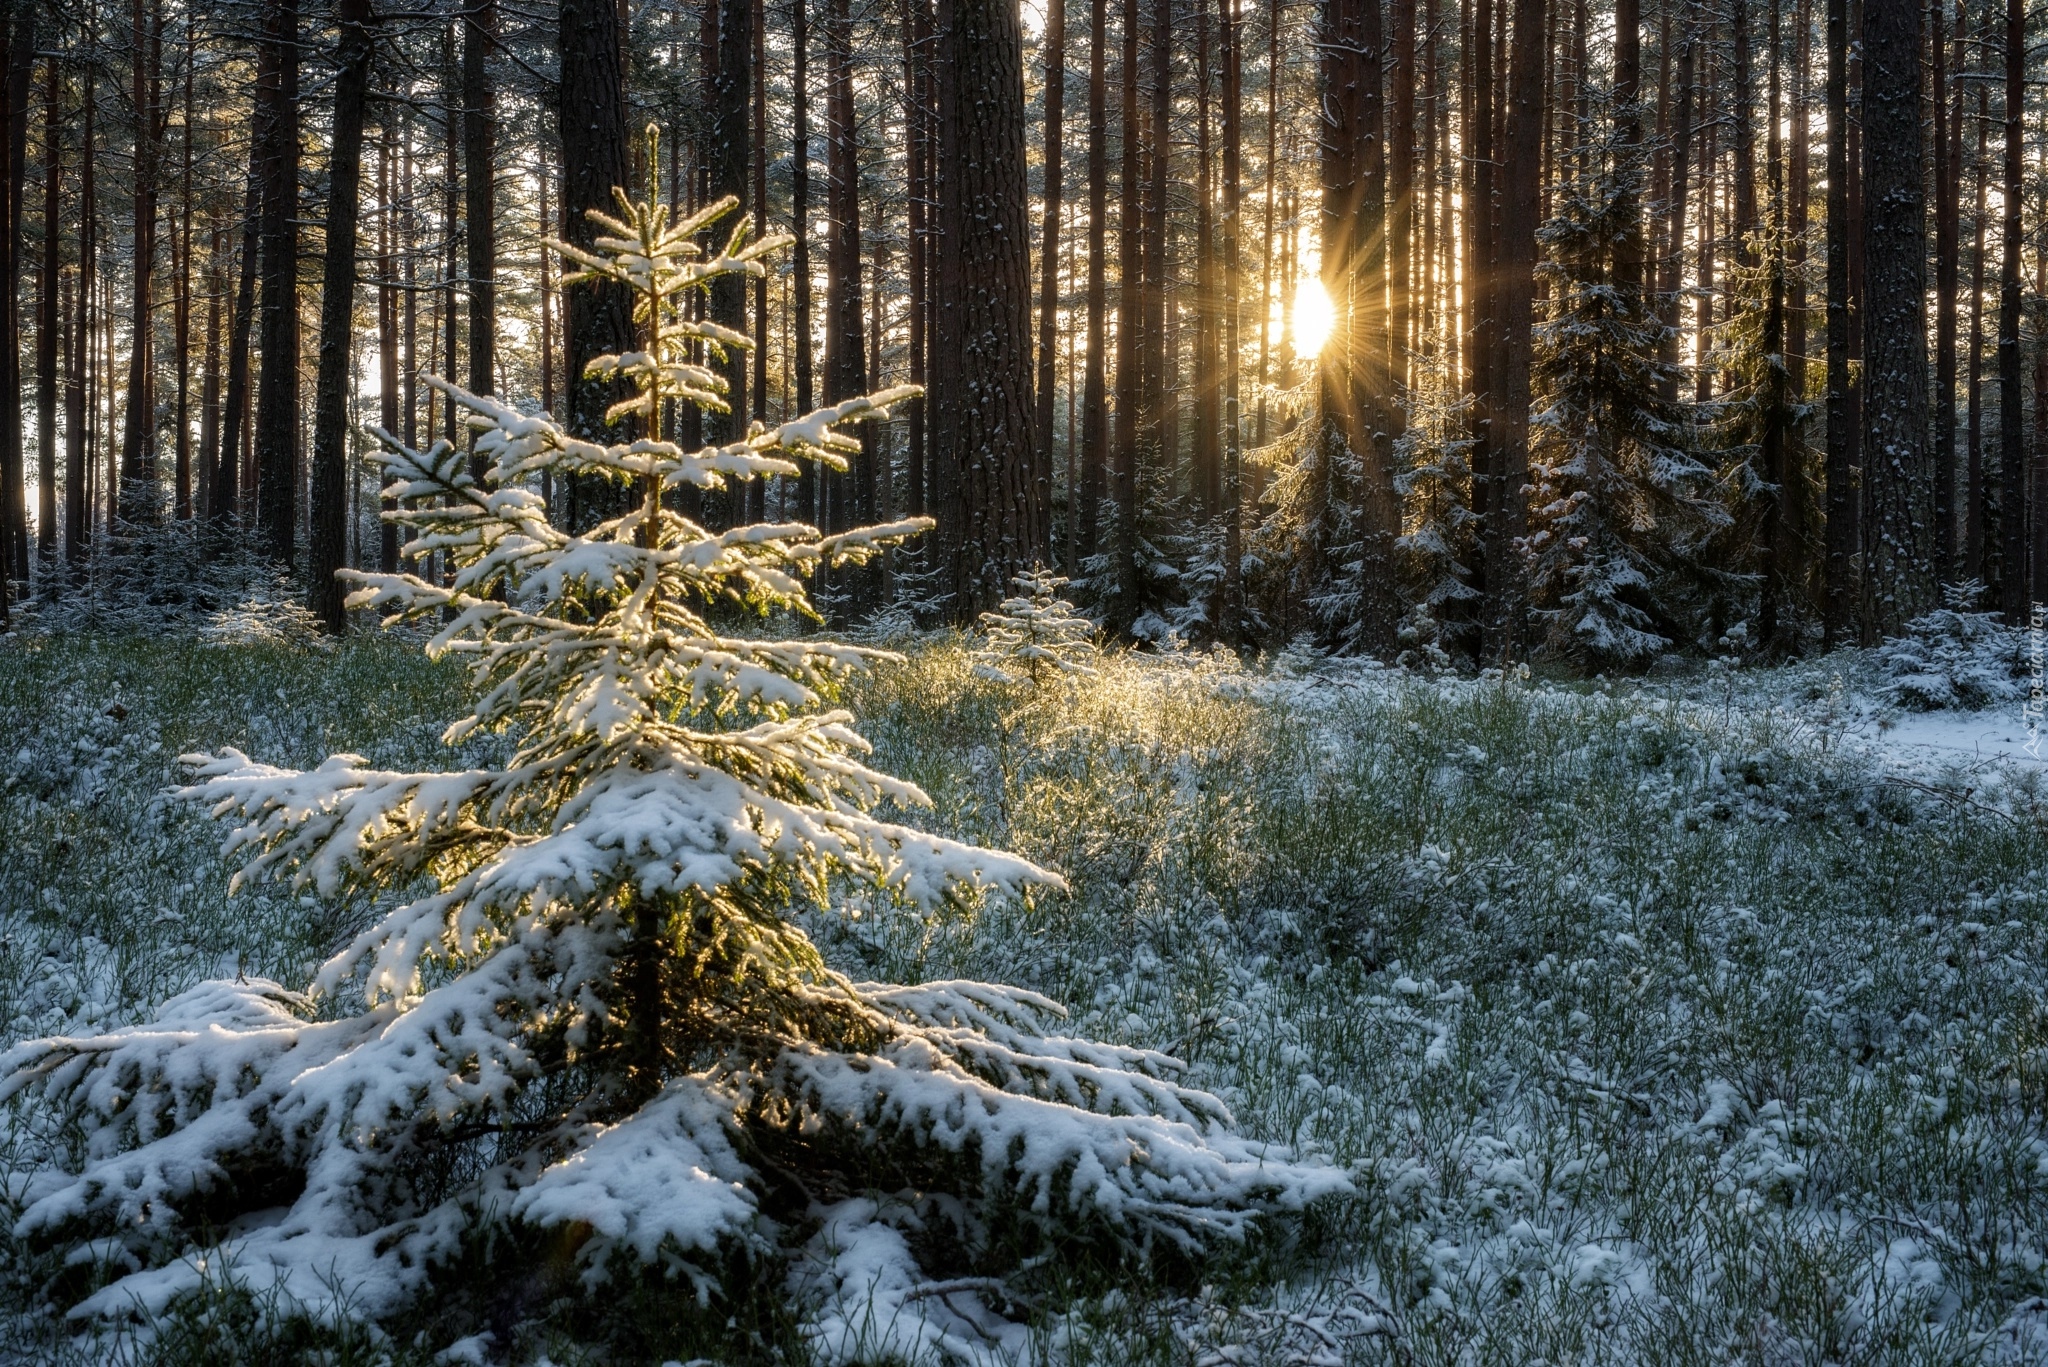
[{"x": 1698, "y": 1019}]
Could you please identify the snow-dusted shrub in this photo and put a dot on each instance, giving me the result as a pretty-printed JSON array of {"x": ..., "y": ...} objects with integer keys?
[
  {"x": 585, "y": 1012},
  {"x": 1954, "y": 657},
  {"x": 1036, "y": 632}
]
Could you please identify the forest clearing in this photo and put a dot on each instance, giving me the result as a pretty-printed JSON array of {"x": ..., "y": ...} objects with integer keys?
[{"x": 1687, "y": 1021}]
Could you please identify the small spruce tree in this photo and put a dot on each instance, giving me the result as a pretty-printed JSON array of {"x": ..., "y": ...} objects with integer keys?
[
  {"x": 1036, "y": 631},
  {"x": 586, "y": 1018}
]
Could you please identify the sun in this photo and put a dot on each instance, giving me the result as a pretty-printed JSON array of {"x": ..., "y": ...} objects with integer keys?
[{"x": 1313, "y": 317}]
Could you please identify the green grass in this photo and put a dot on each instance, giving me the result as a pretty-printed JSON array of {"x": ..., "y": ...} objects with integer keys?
[{"x": 1656, "y": 1031}]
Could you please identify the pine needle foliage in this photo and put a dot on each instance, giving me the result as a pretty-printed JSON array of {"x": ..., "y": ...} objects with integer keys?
[
  {"x": 1038, "y": 632},
  {"x": 1618, "y": 495},
  {"x": 584, "y": 1021}
]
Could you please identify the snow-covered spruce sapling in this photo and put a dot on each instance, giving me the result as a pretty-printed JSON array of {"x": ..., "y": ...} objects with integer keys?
[
  {"x": 585, "y": 1010},
  {"x": 1037, "y": 632}
]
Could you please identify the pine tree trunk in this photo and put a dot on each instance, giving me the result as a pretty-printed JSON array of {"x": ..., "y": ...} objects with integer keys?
[
  {"x": 597, "y": 316},
  {"x": 1978, "y": 523},
  {"x": 77, "y": 476},
  {"x": 47, "y": 327},
  {"x": 1157, "y": 434},
  {"x": 2013, "y": 581},
  {"x": 757, "y": 200},
  {"x": 20, "y": 65},
  {"x": 810, "y": 479},
  {"x": 1095, "y": 378},
  {"x": 1520, "y": 199},
  {"x": 138, "y": 434},
  {"x": 983, "y": 342},
  {"x": 479, "y": 182},
  {"x": 1049, "y": 271},
  {"x": 849, "y": 495},
  {"x": 1121, "y": 588},
  {"x": 1207, "y": 456},
  {"x": 388, "y": 390},
  {"x": 1839, "y": 618},
  {"x": 1900, "y": 464},
  {"x": 181, "y": 307},
  {"x": 1481, "y": 241},
  {"x": 229, "y": 490},
  {"x": 1233, "y": 624},
  {"x": 277, "y": 394},
  {"x": 327, "y": 548},
  {"x": 1672, "y": 276},
  {"x": 726, "y": 160},
  {"x": 1947, "y": 271},
  {"x": 917, "y": 157},
  {"x": 1401, "y": 195}
]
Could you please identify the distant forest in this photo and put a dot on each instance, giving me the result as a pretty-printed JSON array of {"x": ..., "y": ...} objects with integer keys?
[{"x": 1466, "y": 330}]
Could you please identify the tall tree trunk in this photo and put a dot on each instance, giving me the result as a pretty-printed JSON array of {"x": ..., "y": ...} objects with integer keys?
[
  {"x": 1207, "y": 455},
  {"x": 1400, "y": 195},
  {"x": 2013, "y": 582},
  {"x": 1947, "y": 270},
  {"x": 181, "y": 303},
  {"x": 1628, "y": 79},
  {"x": 327, "y": 547},
  {"x": 983, "y": 347},
  {"x": 1095, "y": 377},
  {"x": 1977, "y": 525},
  {"x": 138, "y": 435},
  {"x": 597, "y": 315},
  {"x": 1839, "y": 618},
  {"x": 1122, "y": 585},
  {"x": 1520, "y": 199},
  {"x": 726, "y": 160},
  {"x": 47, "y": 328},
  {"x": 1900, "y": 464},
  {"x": 1481, "y": 243},
  {"x": 757, "y": 200},
  {"x": 810, "y": 480},
  {"x": 277, "y": 395},
  {"x": 77, "y": 473},
  {"x": 1672, "y": 276},
  {"x": 1157, "y": 417},
  {"x": 388, "y": 389},
  {"x": 480, "y": 200},
  {"x": 1233, "y": 624},
  {"x": 1049, "y": 270},
  {"x": 849, "y": 495},
  {"x": 20, "y": 64},
  {"x": 229, "y": 489}
]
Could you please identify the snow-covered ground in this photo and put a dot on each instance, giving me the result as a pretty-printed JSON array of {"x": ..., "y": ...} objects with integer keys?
[{"x": 1695, "y": 1019}]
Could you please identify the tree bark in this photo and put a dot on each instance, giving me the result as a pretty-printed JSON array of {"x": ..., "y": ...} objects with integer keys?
[
  {"x": 810, "y": 479},
  {"x": 1839, "y": 617},
  {"x": 1049, "y": 270},
  {"x": 327, "y": 547},
  {"x": 1899, "y": 464},
  {"x": 1095, "y": 377},
  {"x": 1947, "y": 272},
  {"x": 849, "y": 495},
  {"x": 1520, "y": 200},
  {"x": 2013, "y": 581},
  {"x": 597, "y": 315},
  {"x": 983, "y": 351},
  {"x": 480, "y": 200},
  {"x": 47, "y": 329},
  {"x": 277, "y": 393},
  {"x": 138, "y": 435},
  {"x": 1401, "y": 194}
]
